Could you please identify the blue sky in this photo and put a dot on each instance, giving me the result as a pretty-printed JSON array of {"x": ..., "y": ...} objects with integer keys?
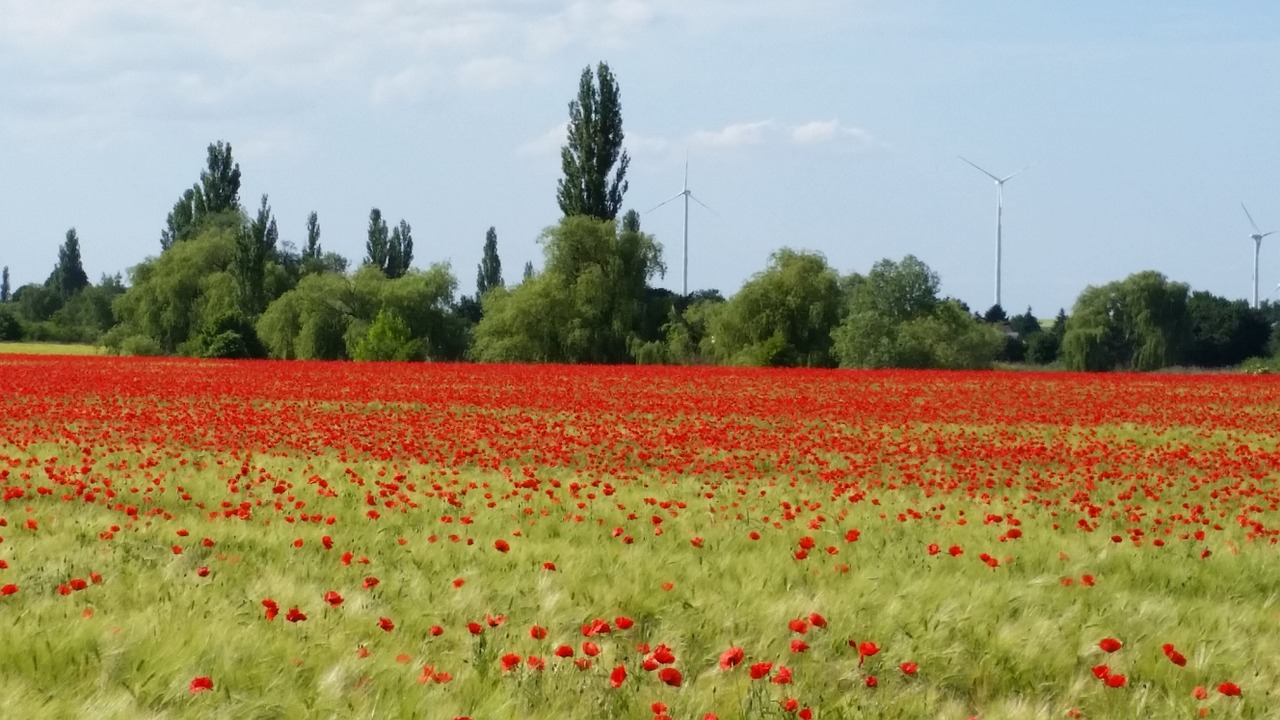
[{"x": 819, "y": 124}]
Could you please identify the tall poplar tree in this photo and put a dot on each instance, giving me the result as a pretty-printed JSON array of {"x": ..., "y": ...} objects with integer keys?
[
  {"x": 312, "y": 250},
  {"x": 4, "y": 285},
  {"x": 593, "y": 159},
  {"x": 378, "y": 244},
  {"x": 68, "y": 276},
  {"x": 489, "y": 273},
  {"x": 255, "y": 244}
]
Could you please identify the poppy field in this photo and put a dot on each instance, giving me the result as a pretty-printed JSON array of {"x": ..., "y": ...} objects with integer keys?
[{"x": 194, "y": 539}]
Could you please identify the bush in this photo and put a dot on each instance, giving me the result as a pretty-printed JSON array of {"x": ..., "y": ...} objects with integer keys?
[
  {"x": 389, "y": 339},
  {"x": 141, "y": 345},
  {"x": 10, "y": 328}
]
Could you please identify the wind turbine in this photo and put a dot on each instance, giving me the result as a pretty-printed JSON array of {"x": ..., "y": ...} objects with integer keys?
[
  {"x": 1000, "y": 181},
  {"x": 687, "y": 194},
  {"x": 1257, "y": 247}
]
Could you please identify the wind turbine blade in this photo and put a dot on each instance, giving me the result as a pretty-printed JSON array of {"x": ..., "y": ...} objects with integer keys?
[
  {"x": 695, "y": 199},
  {"x": 984, "y": 172},
  {"x": 664, "y": 202},
  {"x": 1251, "y": 222},
  {"x": 1273, "y": 232},
  {"x": 1006, "y": 177}
]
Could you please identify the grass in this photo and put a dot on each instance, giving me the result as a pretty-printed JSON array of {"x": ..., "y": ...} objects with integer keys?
[
  {"x": 44, "y": 348},
  {"x": 675, "y": 554}
]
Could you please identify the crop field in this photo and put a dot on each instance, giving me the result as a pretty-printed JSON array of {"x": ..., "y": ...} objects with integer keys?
[{"x": 188, "y": 539}]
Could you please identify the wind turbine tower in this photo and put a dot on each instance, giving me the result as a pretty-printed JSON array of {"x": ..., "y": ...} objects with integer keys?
[
  {"x": 687, "y": 194},
  {"x": 1000, "y": 181},
  {"x": 1257, "y": 248}
]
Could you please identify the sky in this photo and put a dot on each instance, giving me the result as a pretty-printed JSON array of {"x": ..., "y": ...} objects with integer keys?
[{"x": 827, "y": 125}]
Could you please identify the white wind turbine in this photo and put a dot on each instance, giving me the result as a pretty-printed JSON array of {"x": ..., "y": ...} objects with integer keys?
[
  {"x": 687, "y": 194},
  {"x": 1257, "y": 247},
  {"x": 1000, "y": 181}
]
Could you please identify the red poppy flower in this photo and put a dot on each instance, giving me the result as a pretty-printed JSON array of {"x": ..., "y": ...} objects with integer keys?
[
  {"x": 1087, "y": 580},
  {"x": 590, "y": 649},
  {"x": 798, "y": 626},
  {"x": 871, "y": 681},
  {"x": 731, "y": 658},
  {"x": 790, "y": 705},
  {"x": 670, "y": 676},
  {"x": 80, "y": 584},
  {"x": 202, "y": 571},
  {"x": 955, "y": 551},
  {"x": 799, "y": 646},
  {"x": 8, "y": 589},
  {"x": 564, "y": 651},
  {"x": 501, "y": 545},
  {"x": 494, "y": 620},
  {"x": 370, "y": 583},
  {"x": 295, "y": 615},
  {"x": 535, "y": 663},
  {"x": 333, "y": 598},
  {"x": 760, "y": 669},
  {"x": 1200, "y": 693},
  {"x": 95, "y": 577},
  {"x": 1101, "y": 671},
  {"x": 623, "y": 622},
  {"x": 909, "y": 668},
  {"x": 866, "y": 649},
  {"x": 458, "y": 583},
  {"x": 327, "y": 542},
  {"x": 933, "y": 549},
  {"x": 548, "y": 566},
  {"x": 200, "y": 684},
  {"x": 1110, "y": 645},
  {"x": 272, "y": 608},
  {"x": 658, "y": 708},
  {"x": 1229, "y": 689},
  {"x": 538, "y": 633},
  {"x": 510, "y": 661},
  {"x": 475, "y": 628},
  {"x": 582, "y": 663},
  {"x": 1116, "y": 681},
  {"x": 782, "y": 676},
  {"x": 386, "y": 624},
  {"x": 663, "y": 654},
  {"x": 436, "y": 631},
  {"x": 64, "y": 589},
  {"x": 617, "y": 676},
  {"x": 817, "y": 621}
]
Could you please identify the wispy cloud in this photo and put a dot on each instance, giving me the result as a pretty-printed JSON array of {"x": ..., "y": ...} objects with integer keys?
[
  {"x": 733, "y": 137},
  {"x": 546, "y": 144}
]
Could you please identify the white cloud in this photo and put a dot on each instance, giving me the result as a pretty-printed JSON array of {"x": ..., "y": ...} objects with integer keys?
[
  {"x": 490, "y": 72},
  {"x": 826, "y": 131},
  {"x": 732, "y": 137}
]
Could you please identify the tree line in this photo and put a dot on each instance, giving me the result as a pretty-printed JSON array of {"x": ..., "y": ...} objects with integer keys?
[{"x": 224, "y": 285}]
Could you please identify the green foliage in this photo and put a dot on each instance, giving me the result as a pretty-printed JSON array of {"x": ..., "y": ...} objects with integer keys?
[
  {"x": 1042, "y": 348},
  {"x": 1139, "y": 323},
  {"x": 688, "y": 334},
  {"x": 527, "y": 274},
  {"x": 255, "y": 243},
  {"x": 4, "y": 285},
  {"x": 312, "y": 249},
  {"x": 310, "y": 321},
  {"x": 593, "y": 149},
  {"x": 586, "y": 304},
  {"x": 36, "y": 303},
  {"x": 68, "y": 277},
  {"x": 1225, "y": 332},
  {"x": 399, "y": 251},
  {"x": 172, "y": 296},
  {"x": 994, "y": 314},
  {"x": 895, "y": 319},
  {"x": 217, "y": 194},
  {"x": 388, "y": 339},
  {"x": 10, "y": 326},
  {"x": 228, "y": 335},
  {"x": 782, "y": 316},
  {"x": 489, "y": 272},
  {"x": 377, "y": 246},
  {"x": 1025, "y": 324}
]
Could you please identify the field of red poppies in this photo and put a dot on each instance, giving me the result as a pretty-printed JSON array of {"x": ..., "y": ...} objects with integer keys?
[{"x": 262, "y": 540}]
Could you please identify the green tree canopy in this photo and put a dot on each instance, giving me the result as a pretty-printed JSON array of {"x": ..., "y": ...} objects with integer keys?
[
  {"x": 68, "y": 277},
  {"x": 592, "y": 159},
  {"x": 217, "y": 194},
  {"x": 255, "y": 245},
  {"x": 377, "y": 247},
  {"x": 895, "y": 319},
  {"x": 583, "y": 307},
  {"x": 489, "y": 273},
  {"x": 783, "y": 315},
  {"x": 1139, "y": 323}
]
